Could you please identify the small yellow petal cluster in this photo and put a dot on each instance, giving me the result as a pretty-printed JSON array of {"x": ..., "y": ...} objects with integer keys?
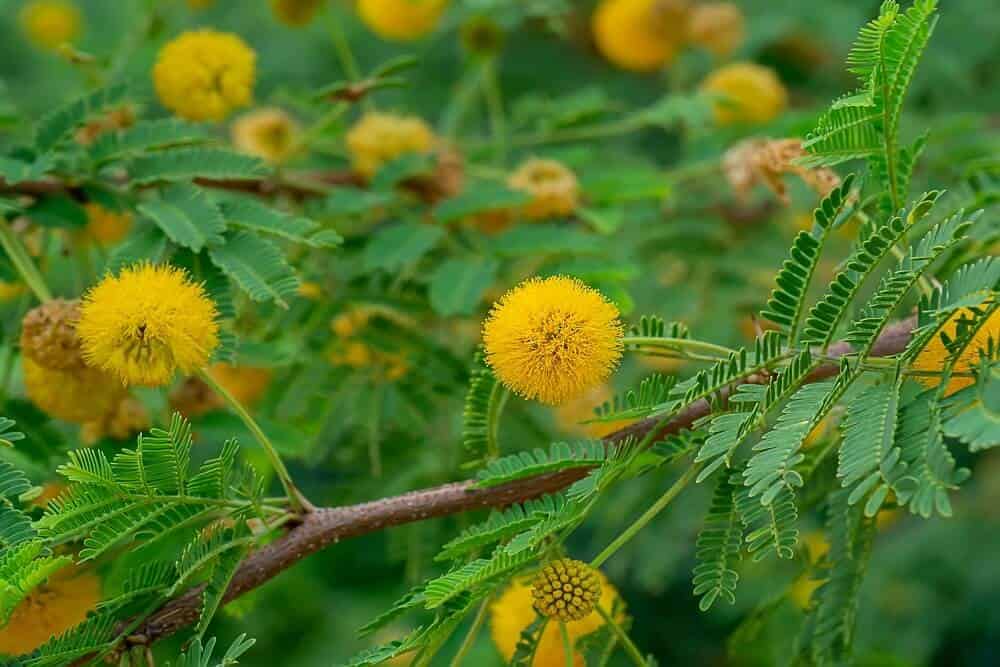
[
  {"x": 934, "y": 355},
  {"x": 717, "y": 27},
  {"x": 50, "y": 23},
  {"x": 552, "y": 339},
  {"x": 270, "y": 134},
  {"x": 514, "y": 611},
  {"x": 566, "y": 590},
  {"x": 105, "y": 226},
  {"x": 295, "y": 13},
  {"x": 146, "y": 323},
  {"x": 204, "y": 74},
  {"x": 56, "y": 377},
  {"x": 359, "y": 354},
  {"x": 553, "y": 188},
  {"x": 401, "y": 20},
  {"x": 749, "y": 93},
  {"x": 640, "y": 35},
  {"x": 378, "y": 138},
  {"x": 52, "y": 608}
]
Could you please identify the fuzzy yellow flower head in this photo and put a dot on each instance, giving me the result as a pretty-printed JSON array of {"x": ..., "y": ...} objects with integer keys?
[
  {"x": 554, "y": 189},
  {"x": 105, "y": 226},
  {"x": 50, "y": 23},
  {"x": 204, "y": 74},
  {"x": 717, "y": 27},
  {"x": 934, "y": 355},
  {"x": 552, "y": 339},
  {"x": 52, "y": 608},
  {"x": 378, "y": 138},
  {"x": 270, "y": 134},
  {"x": 515, "y": 610},
  {"x": 640, "y": 35},
  {"x": 566, "y": 589},
  {"x": 402, "y": 20},
  {"x": 77, "y": 395},
  {"x": 147, "y": 322},
  {"x": 749, "y": 93},
  {"x": 295, "y": 13}
]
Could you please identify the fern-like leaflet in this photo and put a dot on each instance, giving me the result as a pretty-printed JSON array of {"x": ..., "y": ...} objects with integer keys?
[
  {"x": 718, "y": 548},
  {"x": 561, "y": 455}
]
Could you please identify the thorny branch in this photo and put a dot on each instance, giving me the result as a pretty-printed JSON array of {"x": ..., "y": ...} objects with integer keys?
[{"x": 327, "y": 526}]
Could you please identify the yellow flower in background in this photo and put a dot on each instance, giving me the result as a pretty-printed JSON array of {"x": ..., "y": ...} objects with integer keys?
[
  {"x": 566, "y": 590},
  {"x": 554, "y": 189},
  {"x": 105, "y": 226},
  {"x": 146, "y": 323},
  {"x": 246, "y": 383},
  {"x": 127, "y": 418},
  {"x": 295, "y": 13},
  {"x": 552, "y": 339},
  {"x": 51, "y": 23},
  {"x": 750, "y": 93},
  {"x": 934, "y": 355},
  {"x": 48, "y": 335},
  {"x": 514, "y": 611},
  {"x": 200, "y": 4},
  {"x": 204, "y": 74},
  {"x": 717, "y": 27},
  {"x": 270, "y": 134},
  {"x": 52, "y": 608},
  {"x": 571, "y": 414},
  {"x": 10, "y": 291},
  {"x": 378, "y": 138},
  {"x": 310, "y": 290},
  {"x": 401, "y": 19},
  {"x": 78, "y": 395},
  {"x": 640, "y": 35}
]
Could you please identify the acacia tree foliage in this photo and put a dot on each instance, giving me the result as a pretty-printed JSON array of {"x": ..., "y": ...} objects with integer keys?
[{"x": 207, "y": 532}]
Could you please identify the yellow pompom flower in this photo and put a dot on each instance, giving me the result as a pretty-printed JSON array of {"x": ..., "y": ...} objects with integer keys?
[
  {"x": 50, "y": 609},
  {"x": 270, "y": 134},
  {"x": 514, "y": 611},
  {"x": 79, "y": 395},
  {"x": 50, "y": 23},
  {"x": 378, "y": 138},
  {"x": 401, "y": 19},
  {"x": 717, "y": 27},
  {"x": 934, "y": 355},
  {"x": 147, "y": 322},
  {"x": 204, "y": 74},
  {"x": 295, "y": 13},
  {"x": 566, "y": 590},
  {"x": 640, "y": 35},
  {"x": 552, "y": 339},
  {"x": 107, "y": 227},
  {"x": 553, "y": 188},
  {"x": 749, "y": 93}
]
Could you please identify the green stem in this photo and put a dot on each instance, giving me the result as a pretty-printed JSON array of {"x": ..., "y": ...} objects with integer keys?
[
  {"x": 498, "y": 400},
  {"x": 470, "y": 637},
  {"x": 567, "y": 644},
  {"x": 630, "y": 647},
  {"x": 494, "y": 106},
  {"x": 298, "y": 501},
  {"x": 678, "y": 344},
  {"x": 456, "y": 110},
  {"x": 22, "y": 262},
  {"x": 646, "y": 517},
  {"x": 343, "y": 48}
]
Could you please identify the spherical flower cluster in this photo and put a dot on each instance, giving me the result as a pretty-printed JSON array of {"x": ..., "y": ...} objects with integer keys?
[
  {"x": 552, "y": 339},
  {"x": 105, "y": 226},
  {"x": 204, "y": 75},
  {"x": 749, "y": 93},
  {"x": 554, "y": 189},
  {"x": 295, "y": 13},
  {"x": 378, "y": 138},
  {"x": 640, "y": 35},
  {"x": 48, "y": 335},
  {"x": 402, "y": 20},
  {"x": 566, "y": 590},
  {"x": 270, "y": 134},
  {"x": 147, "y": 322},
  {"x": 935, "y": 354},
  {"x": 52, "y": 608},
  {"x": 717, "y": 27},
  {"x": 50, "y": 23},
  {"x": 514, "y": 611}
]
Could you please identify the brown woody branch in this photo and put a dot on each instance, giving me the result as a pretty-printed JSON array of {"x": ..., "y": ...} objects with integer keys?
[{"x": 324, "y": 527}]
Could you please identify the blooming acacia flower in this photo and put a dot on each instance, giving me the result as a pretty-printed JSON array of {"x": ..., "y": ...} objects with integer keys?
[
  {"x": 52, "y": 608},
  {"x": 401, "y": 20},
  {"x": 270, "y": 134},
  {"x": 749, "y": 93},
  {"x": 554, "y": 189},
  {"x": 205, "y": 74},
  {"x": 934, "y": 355},
  {"x": 640, "y": 35},
  {"x": 147, "y": 322},
  {"x": 50, "y": 23},
  {"x": 378, "y": 138},
  {"x": 552, "y": 339}
]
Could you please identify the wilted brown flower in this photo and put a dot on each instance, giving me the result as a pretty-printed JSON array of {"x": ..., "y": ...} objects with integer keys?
[{"x": 762, "y": 161}]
